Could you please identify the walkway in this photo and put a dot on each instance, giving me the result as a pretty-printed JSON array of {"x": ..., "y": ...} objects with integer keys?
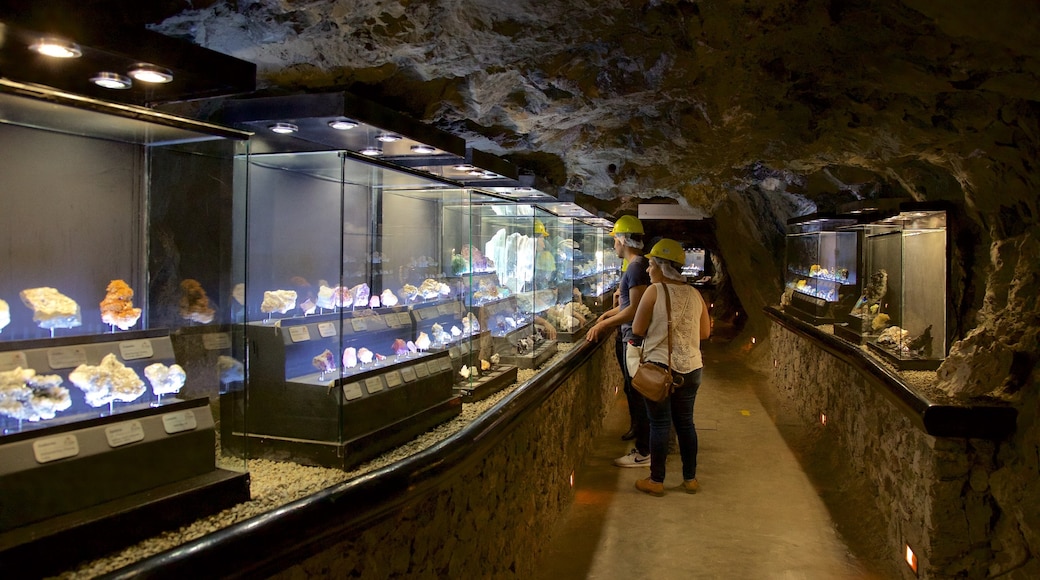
[{"x": 758, "y": 515}]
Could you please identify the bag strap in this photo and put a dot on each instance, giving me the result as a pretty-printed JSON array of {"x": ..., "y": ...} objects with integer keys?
[{"x": 668, "y": 309}]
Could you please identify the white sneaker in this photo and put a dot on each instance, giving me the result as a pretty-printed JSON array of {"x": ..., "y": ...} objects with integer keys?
[{"x": 633, "y": 459}]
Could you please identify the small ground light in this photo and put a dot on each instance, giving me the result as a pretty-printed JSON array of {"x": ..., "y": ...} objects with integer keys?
[
  {"x": 776, "y": 363},
  {"x": 572, "y": 479},
  {"x": 752, "y": 340},
  {"x": 911, "y": 559},
  {"x": 823, "y": 419}
]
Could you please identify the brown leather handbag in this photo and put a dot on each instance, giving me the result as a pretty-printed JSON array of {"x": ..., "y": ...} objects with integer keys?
[{"x": 652, "y": 380}]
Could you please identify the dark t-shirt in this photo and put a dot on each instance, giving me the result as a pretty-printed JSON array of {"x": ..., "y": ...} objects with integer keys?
[{"x": 635, "y": 275}]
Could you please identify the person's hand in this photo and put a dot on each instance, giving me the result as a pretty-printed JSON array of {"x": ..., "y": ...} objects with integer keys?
[{"x": 594, "y": 333}]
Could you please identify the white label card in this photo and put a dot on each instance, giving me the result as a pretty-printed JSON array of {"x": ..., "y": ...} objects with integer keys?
[
  {"x": 66, "y": 358},
  {"x": 374, "y": 385},
  {"x": 124, "y": 433},
  {"x": 55, "y": 448},
  {"x": 421, "y": 370},
  {"x": 358, "y": 324},
  {"x": 408, "y": 374},
  {"x": 299, "y": 333},
  {"x": 12, "y": 360},
  {"x": 446, "y": 308},
  {"x": 393, "y": 379},
  {"x": 352, "y": 391},
  {"x": 327, "y": 329},
  {"x": 216, "y": 341},
  {"x": 136, "y": 349},
  {"x": 180, "y": 421}
]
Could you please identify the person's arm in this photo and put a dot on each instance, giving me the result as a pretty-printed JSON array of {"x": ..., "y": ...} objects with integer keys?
[
  {"x": 605, "y": 323},
  {"x": 550, "y": 330},
  {"x": 645, "y": 311},
  {"x": 705, "y": 318}
]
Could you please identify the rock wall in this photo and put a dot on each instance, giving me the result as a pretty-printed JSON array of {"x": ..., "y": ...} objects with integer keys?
[
  {"x": 933, "y": 494},
  {"x": 493, "y": 520}
]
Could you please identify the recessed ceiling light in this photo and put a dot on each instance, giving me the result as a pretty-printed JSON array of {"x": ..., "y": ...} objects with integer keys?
[
  {"x": 149, "y": 73},
  {"x": 488, "y": 175},
  {"x": 111, "y": 80},
  {"x": 342, "y": 124},
  {"x": 56, "y": 48},
  {"x": 464, "y": 167},
  {"x": 388, "y": 137},
  {"x": 476, "y": 172},
  {"x": 423, "y": 149},
  {"x": 371, "y": 151},
  {"x": 283, "y": 128}
]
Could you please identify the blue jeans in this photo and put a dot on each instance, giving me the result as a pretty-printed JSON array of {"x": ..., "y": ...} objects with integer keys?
[
  {"x": 638, "y": 419},
  {"x": 677, "y": 409}
]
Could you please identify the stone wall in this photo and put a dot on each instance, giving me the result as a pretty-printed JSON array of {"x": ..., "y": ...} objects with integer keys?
[
  {"x": 930, "y": 493},
  {"x": 493, "y": 520}
]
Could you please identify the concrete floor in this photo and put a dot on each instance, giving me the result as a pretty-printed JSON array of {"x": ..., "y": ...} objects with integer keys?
[{"x": 758, "y": 514}]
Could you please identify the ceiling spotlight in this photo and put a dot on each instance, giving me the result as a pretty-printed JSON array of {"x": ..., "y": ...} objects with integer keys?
[
  {"x": 464, "y": 167},
  {"x": 371, "y": 151},
  {"x": 488, "y": 175},
  {"x": 423, "y": 149},
  {"x": 388, "y": 137},
  {"x": 111, "y": 80},
  {"x": 149, "y": 73},
  {"x": 523, "y": 188},
  {"x": 342, "y": 124},
  {"x": 475, "y": 172},
  {"x": 283, "y": 128},
  {"x": 56, "y": 48}
]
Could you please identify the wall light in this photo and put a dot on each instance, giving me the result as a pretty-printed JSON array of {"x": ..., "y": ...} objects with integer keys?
[
  {"x": 342, "y": 124},
  {"x": 149, "y": 73},
  {"x": 283, "y": 128},
  {"x": 388, "y": 137},
  {"x": 911, "y": 559},
  {"x": 572, "y": 479},
  {"x": 823, "y": 419},
  {"x": 371, "y": 151},
  {"x": 56, "y": 47},
  {"x": 422, "y": 149},
  {"x": 463, "y": 167},
  {"x": 111, "y": 80},
  {"x": 752, "y": 340}
]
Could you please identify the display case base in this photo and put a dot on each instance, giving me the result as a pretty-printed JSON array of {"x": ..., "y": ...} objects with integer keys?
[
  {"x": 574, "y": 335},
  {"x": 848, "y": 333},
  {"x": 902, "y": 362},
  {"x": 343, "y": 455},
  {"x": 532, "y": 359},
  {"x": 51, "y": 546},
  {"x": 498, "y": 378},
  {"x": 811, "y": 309}
]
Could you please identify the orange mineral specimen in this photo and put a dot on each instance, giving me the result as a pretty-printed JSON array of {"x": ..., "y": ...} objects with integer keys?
[{"x": 117, "y": 309}]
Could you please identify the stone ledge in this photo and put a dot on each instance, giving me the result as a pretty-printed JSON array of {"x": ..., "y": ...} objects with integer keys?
[{"x": 978, "y": 421}]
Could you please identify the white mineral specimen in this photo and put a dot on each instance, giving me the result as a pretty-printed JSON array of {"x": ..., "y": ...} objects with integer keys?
[
  {"x": 280, "y": 301},
  {"x": 165, "y": 380},
  {"x": 350, "y": 357},
  {"x": 239, "y": 293},
  {"x": 51, "y": 309},
  {"x": 423, "y": 342},
  {"x": 465, "y": 371},
  {"x": 108, "y": 382},
  {"x": 388, "y": 298},
  {"x": 456, "y": 331},
  {"x": 361, "y": 293},
  {"x": 364, "y": 355},
  {"x": 5, "y": 315},
  {"x": 325, "y": 297},
  {"x": 230, "y": 369},
  {"x": 26, "y": 396}
]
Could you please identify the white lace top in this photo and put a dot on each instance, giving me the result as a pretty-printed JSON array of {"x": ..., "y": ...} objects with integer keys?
[{"x": 687, "y": 306}]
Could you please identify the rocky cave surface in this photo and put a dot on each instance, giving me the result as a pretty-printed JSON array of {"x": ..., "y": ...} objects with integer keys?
[{"x": 747, "y": 112}]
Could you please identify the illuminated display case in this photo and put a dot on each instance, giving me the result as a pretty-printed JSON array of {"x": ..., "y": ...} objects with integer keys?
[
  {"x": 821, "y": 267},
  {"x": 904, "y": 298},
  {"x": 99, "y": 403},
  {"x": 598, "y": 273}
]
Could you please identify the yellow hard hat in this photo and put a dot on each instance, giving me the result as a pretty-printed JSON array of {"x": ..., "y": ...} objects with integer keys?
[
  {"x": 539, "y": 228},
  {"x": 627, "y": 224},
  {"x": 668, "y": 250}
]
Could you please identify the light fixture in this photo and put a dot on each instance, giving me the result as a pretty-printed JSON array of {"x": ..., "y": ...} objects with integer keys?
[
  {"x": 283, "y": 128},
  {"x": 523, "y": 189},
  {"x": 111, "y": 80},
  {"x": 342, "y": 124},
  {"x": 572, "y": 479},
  {"x": 388, "y": 137},
  {"x": 56, "y": 47},
  {"x": 422, "y": 149},
  {"x": 475, "y": 172},
  {"x": 463, "y": 167},
  {"x": 823, "y": 419},
  {"x": 149, "y": 73},
  {"x": 371, "y": 151},
  {"x": 488, "y": 175},
  {"x": 911, "y": 559}
]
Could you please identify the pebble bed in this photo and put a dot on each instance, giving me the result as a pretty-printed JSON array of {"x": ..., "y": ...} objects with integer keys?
[{"x": 274, "y": 484}]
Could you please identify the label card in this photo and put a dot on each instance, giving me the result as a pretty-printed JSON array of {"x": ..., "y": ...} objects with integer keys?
[
  {"x": 352, "y": 391},
  {"x": 327, "y": 329},
  {"x": 408, "y": 374},
  {"x": 12, "y": 360},
  {"x": 66, "y": 358},
  {"x": 55, "y": 448},
  {"x": 180, "y": 421},
  {"x": 216, "y": 341},
  {"x": 358, "y": 324},
  {"x": 124, "y": 433},
  {"x": 136, "y": 349},
  {"x": 421, "y": 370},
  {"x": 393, "y": 379},
  {"x": 373, "y": 385},
  {"x": 299, "y": 333}
]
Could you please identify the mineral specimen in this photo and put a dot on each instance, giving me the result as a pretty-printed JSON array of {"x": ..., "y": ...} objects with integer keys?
[
  {"x": 108, "y": 382},
  {"x": 388, "y": 298},
  {"x": 880, "y": 322},
  {"x": 26, "y": 396},
  {"x": 230, "y": 369},
  {"x": 165, "y": 380},
  {"x": 350, "y": 357},
  {"x": 117, "y": 309},
  {"x": 364, "y": 355},
  {"x": 325, "y": 297},
  {"x": 280, "y": 301},
  {"x": 422, "y": 342},
  {"x": 399, "y": 347},
  {"x": 194, "y": 304},
  {"x": 51, "y": 309},
  {"x": 325, "y": 362},
  {"x": 873, "y": 292},
  {"x": 5, "y": 315},
  {"x": 893, "y": 336}
]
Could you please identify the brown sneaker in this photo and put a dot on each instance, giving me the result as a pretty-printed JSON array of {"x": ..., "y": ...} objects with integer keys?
[
  {"x": 651, "y": 487},
  {"x": 690, "y": 486}
]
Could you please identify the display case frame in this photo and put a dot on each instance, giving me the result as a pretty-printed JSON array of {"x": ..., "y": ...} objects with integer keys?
[{"x": 821, "y": 263}]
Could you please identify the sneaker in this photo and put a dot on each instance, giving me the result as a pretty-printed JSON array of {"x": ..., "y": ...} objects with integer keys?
[
  {"x": 633, "y": 459},
  {"x": 651, "y": 487},
  {"x": 690, "y": 486}
]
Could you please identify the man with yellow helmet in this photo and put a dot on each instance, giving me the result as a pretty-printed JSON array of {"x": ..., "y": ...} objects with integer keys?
[{"x": 628, "y": 241}]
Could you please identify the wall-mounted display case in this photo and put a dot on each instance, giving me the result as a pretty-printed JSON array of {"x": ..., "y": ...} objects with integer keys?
[
  {"x": 113, "y": 237},
  {"x": 903, "y": 307},
  {"x": 821, "y": 267}
]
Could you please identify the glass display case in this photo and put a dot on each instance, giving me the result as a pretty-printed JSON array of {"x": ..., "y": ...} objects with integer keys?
[
  {"x": 112, "y": 239},
  {"x": 821, "y": 268},
  {"x": 903, "y": 307},
  {"x": 598, "y": 272}
]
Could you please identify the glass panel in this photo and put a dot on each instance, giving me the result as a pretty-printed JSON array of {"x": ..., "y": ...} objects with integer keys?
[{"x": 821, "y": 274}]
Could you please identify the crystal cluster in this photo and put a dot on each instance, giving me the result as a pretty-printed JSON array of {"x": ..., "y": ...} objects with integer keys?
[
  {"x": 194, "y": 304},
  {"x": 51, "y": 309},
  {"x": 165, "y": 380},
  {"x": 108, "y": 382},
  {"x": 117, "y": 309},
  {"x": 26, "y": 396}
]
